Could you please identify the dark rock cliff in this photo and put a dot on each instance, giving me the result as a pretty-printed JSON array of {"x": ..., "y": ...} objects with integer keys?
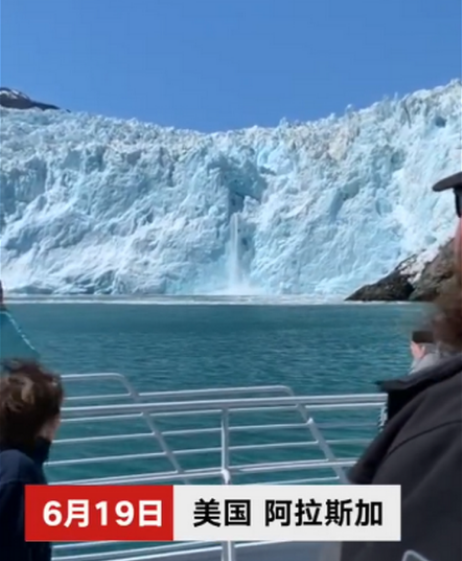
[
  {"x": 400, "y": 286},
  {"x": 14, "y": 99}
]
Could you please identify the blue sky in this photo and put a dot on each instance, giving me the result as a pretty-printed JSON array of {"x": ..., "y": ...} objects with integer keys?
[{"x": 222, "y": 64}]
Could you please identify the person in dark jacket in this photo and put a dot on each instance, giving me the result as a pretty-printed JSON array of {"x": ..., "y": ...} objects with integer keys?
[
  {"x": 420, "y": 446},
  {"x": 30, "y": 405}
]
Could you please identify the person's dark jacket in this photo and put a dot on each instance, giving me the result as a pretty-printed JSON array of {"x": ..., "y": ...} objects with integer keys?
[
  {"x": 420, "y": 448},
  {"x": 18, "y": 469}
]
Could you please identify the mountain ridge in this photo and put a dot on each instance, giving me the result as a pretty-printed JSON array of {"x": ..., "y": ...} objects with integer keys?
[{"x": 14, "y": 99}]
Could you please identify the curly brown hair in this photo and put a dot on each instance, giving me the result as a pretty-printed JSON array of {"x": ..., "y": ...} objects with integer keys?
[{"x": 30, "y": 397}]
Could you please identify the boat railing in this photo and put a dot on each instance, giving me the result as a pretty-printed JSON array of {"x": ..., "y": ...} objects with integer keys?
[{"x": 114, "y": 434}]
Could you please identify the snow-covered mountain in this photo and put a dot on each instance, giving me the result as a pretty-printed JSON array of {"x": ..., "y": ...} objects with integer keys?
[
  {"x": 97, "y": 205},
  {"x": 14, "y": 99}
]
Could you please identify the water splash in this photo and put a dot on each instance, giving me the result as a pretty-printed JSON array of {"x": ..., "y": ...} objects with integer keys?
[
  {"x": 234, "y": 263},
  {"x": 237, "y": 283}
]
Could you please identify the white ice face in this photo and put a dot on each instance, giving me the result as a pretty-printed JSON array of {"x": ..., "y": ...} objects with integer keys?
[{"x": 95, "y": 204}]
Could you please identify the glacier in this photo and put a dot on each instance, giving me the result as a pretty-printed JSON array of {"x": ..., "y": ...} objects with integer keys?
[{"x": 94, "y": 205}]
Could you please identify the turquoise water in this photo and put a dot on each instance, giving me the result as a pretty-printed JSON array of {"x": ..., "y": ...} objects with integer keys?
[{"x": 313, "y": 349}]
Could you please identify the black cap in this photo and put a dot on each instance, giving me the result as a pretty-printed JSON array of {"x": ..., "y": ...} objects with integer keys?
[{"x": 451, "y": 182}]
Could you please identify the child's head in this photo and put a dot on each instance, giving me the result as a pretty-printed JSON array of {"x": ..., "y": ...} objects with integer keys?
[{"x": 30, "y": 404}]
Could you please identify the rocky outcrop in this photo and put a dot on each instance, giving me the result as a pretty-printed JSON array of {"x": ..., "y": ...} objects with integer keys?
[
  {"x": 401, "y": 285},
  {"x": 435, "y": 275},
  {"x": 394, "y": 287},
  {"x": 13, "y": 99}
]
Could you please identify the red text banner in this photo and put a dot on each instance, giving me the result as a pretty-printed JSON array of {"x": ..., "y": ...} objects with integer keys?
[{"x": 58, "y": 513}]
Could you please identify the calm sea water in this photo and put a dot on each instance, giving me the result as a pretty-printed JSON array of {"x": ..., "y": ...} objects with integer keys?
[{"x": 313, "y": 349}]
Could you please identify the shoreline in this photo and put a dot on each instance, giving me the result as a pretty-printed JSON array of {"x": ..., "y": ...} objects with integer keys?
[{"x": 198, "y": 300}]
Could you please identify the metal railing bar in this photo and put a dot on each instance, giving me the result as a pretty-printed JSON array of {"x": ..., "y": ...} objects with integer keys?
[
  {"x": 73, "y": 545},
  {"x": 377, "y": 399},
  {"x": 154, "y": 429},
  {"x": 146, "y": 549},
  {"x": 261, "y": 409},
  {"x": 309, "y": 444},
  {"x": 205, "y": 473},
  {"x": 156, "y": 554},
  {"x": 178, "y": 393},
  {"x": 195, "y": 451},
  {"x": 107, "y": 459},
  {"x": 219, "y": 391},
  {"x": 97, "y": 397},
  {"x": 113, "y": 555},
  {"x": 318, "y": 436},
  {"x": 140, "y": 478},
  {"x": 227, "y": 547},
  {"x": 106, "y": 438},
  {"x": 102, "y": 418},
  {"x": 346, "y": 425},
  {"x": 247, "y": 405},
  {"x": 87, "y": 545},
  {"x": 197, "y": 413},
  {"x": 327, "y": 398},
  {"x": 305, "y": 481},
  {"x": 96, "y": 376},
  {"x": 131, "y": 392},
  {"x": 175, "y": 555},
  {"x": 212, "y": 430},
  {"x": 76, "y": 377},
  {"x": 169, "y": 394},
  {"x": 256, "y": 428},
  {"x": 294, "y": 465}
]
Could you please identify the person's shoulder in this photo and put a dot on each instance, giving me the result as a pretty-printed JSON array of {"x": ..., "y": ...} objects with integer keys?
[
  {"x": 428, "y": 423},
  {"x": 431, "y": 399},
  {"x": 15, "y": 466},
  {"x": 436, "y": 407},
  {"x": 426, "y": 465},
  {"x": 441, "y": 403},
  {"x": 434, "y": 427}
]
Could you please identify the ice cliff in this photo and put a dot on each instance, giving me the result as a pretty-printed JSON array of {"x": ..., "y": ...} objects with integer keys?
[{"x": 96, "y": 205}]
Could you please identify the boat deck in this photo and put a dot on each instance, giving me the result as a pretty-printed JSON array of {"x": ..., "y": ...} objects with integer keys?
[{"x": 113, "y": 434}]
